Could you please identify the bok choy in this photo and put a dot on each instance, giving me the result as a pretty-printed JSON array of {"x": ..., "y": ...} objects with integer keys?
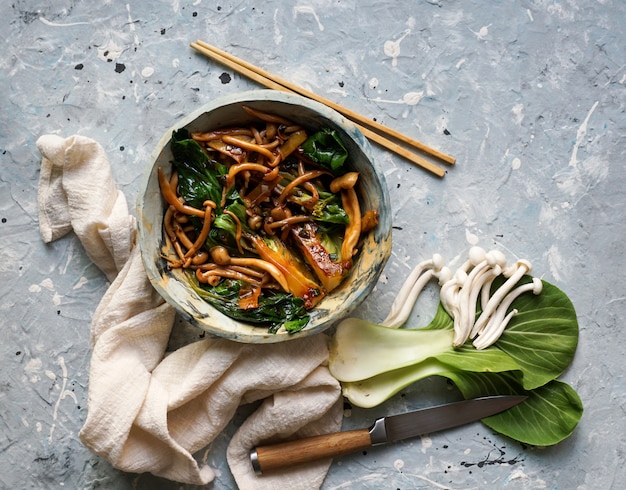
[{"x": 374, "y": 362}]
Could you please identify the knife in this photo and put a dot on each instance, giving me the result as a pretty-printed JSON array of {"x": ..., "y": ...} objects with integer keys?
[{"x": 386, "y": 429}]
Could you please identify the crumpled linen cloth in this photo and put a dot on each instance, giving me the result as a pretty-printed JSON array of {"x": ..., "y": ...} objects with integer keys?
[{"x": 150, "y": 410}]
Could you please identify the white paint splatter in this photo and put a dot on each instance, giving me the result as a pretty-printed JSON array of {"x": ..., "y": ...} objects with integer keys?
[
  {"x": 278, "y": 37},
  {"x": 467, "y": 451},
  {"x": 516, "y": 474},
  {"x": 412, "y": 98},
  {"x": 460, "y": 63},
  {"x": 343, "y": 93},
  {"x": 34, "y": 288},
  {"x": 56, "y": 299},
  {"x": 471, "y": 238},
  {"x": 516, "y": 163},
  {"x": 131, "y": 24},
  {"x": 398, "y": 464},
  {"x": 373, "y": 83},
  {"x": 530, "y": 15},
  {"x": 38, "y": 426},
  {"x": 32, "y": 370},
  {"x": 175, "y": 63},
  {"x": 518, "y": 112},
  {"x": 24, "y": 422},
  {"x": 392, "y": 48},
  {"x": 580, "y": 136},
  {"x": 364, "y": 478},
  {"x": 64, "y": 393},
  {"x": 555, "y": 261},
  {"x": 48, "y": 284},
  {"x": 81, "y": 282},
  {"x": 148, "y": 71},
  {"x": 308, "y": 10},
  {"x": 427, "y": 443},
  {"x": 482, "y": 33},
  {"x": 45, "y": 21},
  {"x": 112, "y": 50}
]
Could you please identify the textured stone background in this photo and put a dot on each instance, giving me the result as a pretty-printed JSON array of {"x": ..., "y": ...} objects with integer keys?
[{"x": 529, "y": 96}]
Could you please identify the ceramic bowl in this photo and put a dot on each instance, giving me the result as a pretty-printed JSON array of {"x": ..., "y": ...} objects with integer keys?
[{"x": 374, "y": 249}]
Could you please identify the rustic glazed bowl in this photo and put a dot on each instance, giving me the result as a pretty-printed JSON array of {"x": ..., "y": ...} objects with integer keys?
[{"x": 374, "y": 249}]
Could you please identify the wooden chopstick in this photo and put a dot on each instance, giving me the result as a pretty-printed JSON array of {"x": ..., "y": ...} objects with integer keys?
[{"x": 274, "y": 82}]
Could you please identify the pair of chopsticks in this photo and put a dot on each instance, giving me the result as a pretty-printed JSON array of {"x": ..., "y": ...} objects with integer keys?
[{"x": 375, "y": 134}]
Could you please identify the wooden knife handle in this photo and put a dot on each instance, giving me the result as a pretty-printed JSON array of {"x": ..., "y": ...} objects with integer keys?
[{"x": 284, "y": 454}]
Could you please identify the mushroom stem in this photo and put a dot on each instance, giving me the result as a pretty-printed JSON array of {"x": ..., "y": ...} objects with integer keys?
[
  {"x": 221, "y": 257},
  {"x": 411, "y": 289},
  {"x": 496, "y": 325},
  {"x": 521, "y": 268}
]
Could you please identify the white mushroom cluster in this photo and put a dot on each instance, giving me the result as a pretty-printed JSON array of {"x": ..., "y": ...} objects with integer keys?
[{"x": 462, "y": 291}]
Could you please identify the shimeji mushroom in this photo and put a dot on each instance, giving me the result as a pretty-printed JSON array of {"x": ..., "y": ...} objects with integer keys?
[
  {"x": 411, "y": 289},
  {"x": 221, "y": 257},
  {"x": 500, "y": 319},
  {"x": 454, "y": 295},
  {"x": 485, "y": 265},
  {"x": 514, "y": 273}
]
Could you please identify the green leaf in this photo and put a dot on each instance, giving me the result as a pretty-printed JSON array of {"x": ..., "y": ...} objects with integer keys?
[
  {"x": 197, "y": 181},
  {"x": 330, "y": 210},
  {"x": 326, "y": 149},
  {"x": 549, "y": 415},
  {"x": 274, "y": 311},
  {"x": 542, "y": 338}
]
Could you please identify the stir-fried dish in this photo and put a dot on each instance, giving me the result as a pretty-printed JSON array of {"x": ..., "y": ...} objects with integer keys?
[{"x": 264, "y": 218}]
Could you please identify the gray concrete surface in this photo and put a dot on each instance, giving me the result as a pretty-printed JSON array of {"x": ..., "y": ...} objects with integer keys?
[{"x": 530, "y": 97}]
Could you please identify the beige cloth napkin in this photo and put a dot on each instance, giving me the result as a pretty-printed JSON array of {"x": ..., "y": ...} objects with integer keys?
[{"x": 149, "y": 410}]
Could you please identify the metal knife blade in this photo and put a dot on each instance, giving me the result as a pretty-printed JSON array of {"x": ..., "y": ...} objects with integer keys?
[
  {"x": 386, "y": 429},
  {"x": 433, "y": 419}
]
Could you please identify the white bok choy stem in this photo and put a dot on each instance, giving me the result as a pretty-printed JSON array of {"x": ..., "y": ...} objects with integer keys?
[{"x": 361, "y": 350}]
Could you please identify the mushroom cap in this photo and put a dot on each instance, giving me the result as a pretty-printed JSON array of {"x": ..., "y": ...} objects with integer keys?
[
  {"x": 437, "y": 262},
  {"x": 495, "y": 257},
  {"x": 476, "y": 255}
]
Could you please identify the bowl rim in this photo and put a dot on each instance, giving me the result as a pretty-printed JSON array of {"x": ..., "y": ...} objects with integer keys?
[{"x": 269, "y": 96}]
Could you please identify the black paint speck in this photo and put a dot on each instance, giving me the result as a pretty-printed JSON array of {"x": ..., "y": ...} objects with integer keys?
[
  {"x": 194, "y": 14},
  {"x": 341, "y": 84},
  {"x": 121, "y": 148},
  {"x": 4, "y": 220},
  {"x": 47, "y": 115},
  {"x": 397, "y": 228},
  {"x": 195, "y": 89},
  {"x": 163, "y": 32},
  {"x": 18, "y": 353},
  {"x": 123, "y": 97},
  {"x": 219, "y": 8},
  {"x": 79, "y": 66},
  {"x": 397, "y": 186},
  {"x": 119, "y": 67},
  {"x": 225, "y": 78},
  {"x": 58, "y": 312},
  {"x": 446, "y": 132}
]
